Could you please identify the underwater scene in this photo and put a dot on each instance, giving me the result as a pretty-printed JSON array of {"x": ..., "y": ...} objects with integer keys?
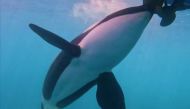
[{"x": 153, "y": 73}]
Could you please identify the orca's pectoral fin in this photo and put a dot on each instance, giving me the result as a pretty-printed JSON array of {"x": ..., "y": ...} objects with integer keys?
[
  {"x": 109, "y": 93},
  {"x": 56, "y": 40}
]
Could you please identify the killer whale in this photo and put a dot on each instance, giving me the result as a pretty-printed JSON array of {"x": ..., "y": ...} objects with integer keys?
[
  {"x": 88, "y": 59},
  {"x": 64, "y": 60}
]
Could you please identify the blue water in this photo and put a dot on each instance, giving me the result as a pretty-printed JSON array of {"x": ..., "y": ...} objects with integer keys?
[{"x": 155, "y": 75}]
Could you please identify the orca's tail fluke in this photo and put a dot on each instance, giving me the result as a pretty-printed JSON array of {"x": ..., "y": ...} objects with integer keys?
[
  {"x": 168, "y": 14},
  {"x": 168, "y": 11},
  {"x": 56, "y": 40}
]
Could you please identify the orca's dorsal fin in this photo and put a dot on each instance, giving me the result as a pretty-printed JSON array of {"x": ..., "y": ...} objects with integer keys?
[{"x": 56, "y": 40}]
